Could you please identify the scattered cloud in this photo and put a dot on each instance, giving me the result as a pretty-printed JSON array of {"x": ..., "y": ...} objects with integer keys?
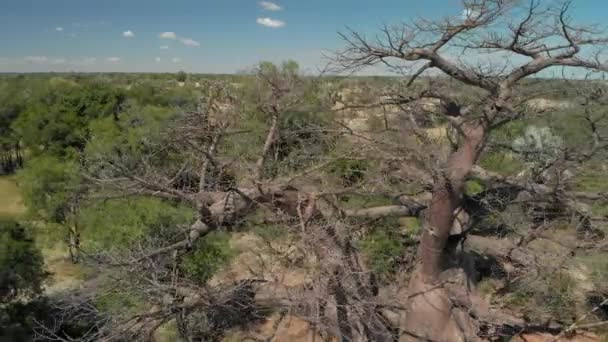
[
  {"x": 176, "y": 60},
  {"x": 36, "y": 59},
  {"x": 128, "y": 34},
  {"x": 268, "y": 22},
  {"x": 113, "y": 59},
  {"x": 470, "y": 14},
  {"x": 157, "y": 59},
  {"x": 189, "y": 42},
  {"x": 270, "y": 6},
  {"x": 89, "y": 60},
  {"x": 174, "y": 36},
  {"x": 167, "y": 35},
  {"x": 59, "y": 29},
  {"x": 59, "y": 61}
]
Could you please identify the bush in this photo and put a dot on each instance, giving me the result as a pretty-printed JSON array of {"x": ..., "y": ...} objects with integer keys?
[
  {"x": 502, "y": 163},
  {"x": 21, "y": 264},
  {"x": 349, "y": 170},
  {"x": 181, "y": 76},
  {"x": 210, "y": 254},
  {"x": 382, "y": 249},
  {"x": 473, "y": 187},
  {"x": 115, "y": 225}
]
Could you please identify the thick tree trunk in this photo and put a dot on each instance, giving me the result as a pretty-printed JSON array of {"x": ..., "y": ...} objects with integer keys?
[{"x": 432, "y": 313}]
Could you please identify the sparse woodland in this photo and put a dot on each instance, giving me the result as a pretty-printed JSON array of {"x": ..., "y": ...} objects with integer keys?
[{"x": 465, "y": 199}]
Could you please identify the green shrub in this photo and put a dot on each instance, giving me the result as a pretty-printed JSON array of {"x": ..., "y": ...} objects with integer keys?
[
  {"x": 473, "y": 187},
  {"x": 593, "y": 181},
  {"x": 119, "y": 300},
  {"x": 382, "y": 249},
  {"x": 21, "y": 264},
  {"x": 209, "y": 255},
  {"x": 502, "y": 163},
  {"x": 115, "y": 225},
  {"x": 349, "y": 170}
]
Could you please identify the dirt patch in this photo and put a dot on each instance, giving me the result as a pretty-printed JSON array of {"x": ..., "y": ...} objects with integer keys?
[
  {"x": 65, "y": 275},
  {"x": 256, "y": 260}
]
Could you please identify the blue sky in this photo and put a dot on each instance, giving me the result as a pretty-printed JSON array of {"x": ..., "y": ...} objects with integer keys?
[{"x": 217, "y": 36}]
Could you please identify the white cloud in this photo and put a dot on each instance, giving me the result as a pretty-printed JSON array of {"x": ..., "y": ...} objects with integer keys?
[
  {"x": 167, "y": 35},
  {"x": 59, "y": 29},
  {"x": 89, "y": 60},
  {"x": 157, "y": 59},
  {"x": 58, "y": 61},
  {"x": 270, "y": 6},
  {"x": 113, "y": 59},
  {"x": 128, "y": 34},
  {"x": 268, "y": 22},
  {"x": 189, "y": 42},
  {"x": 36, "y": 59},
  {"x": 174, "y": 36},
  {"x": 176, "y": 60},
  {"x": 470, "y": 14}
]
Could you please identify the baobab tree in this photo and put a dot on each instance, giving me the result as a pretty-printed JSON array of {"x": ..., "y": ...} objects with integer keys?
[{"x": 493, "y": 47}]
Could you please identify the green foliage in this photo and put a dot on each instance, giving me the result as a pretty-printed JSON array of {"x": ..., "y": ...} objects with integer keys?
[
  {"x": 302, "y": 139},
  {"x": 210, "y": 254},
  {"x": 502, "y": 163},
  {"x": 600, "y": 209},
  {"x": 412, "y": 225},
  {"x": 21, "y": 265},
  {"x": 350, "y": 171},
  {"x": 363, "y": 201},
  {"x": 11, "y": 203},
  {"x": 121, "y": 300},
  {"x": 115, "y": 225},
  {"x": 592, "y": 180},
  {"x": 49, "y": 186},
  {"x": 473, "y": 187},
  {"x": 181, "y": 76},
  {"x": 304, "y": 119},
  {"x": 382, "y": 249},
  {"x": 138, "y": 132},
  {"x": 56, "y": 120}
]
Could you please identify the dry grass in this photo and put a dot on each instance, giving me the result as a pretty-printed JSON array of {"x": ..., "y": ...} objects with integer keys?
[
  {"x": 11, "y": 203},
  {"x": 64, "y": 274}
]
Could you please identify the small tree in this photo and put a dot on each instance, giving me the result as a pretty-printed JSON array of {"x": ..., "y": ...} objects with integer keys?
[{"x": 181, "y": 76}]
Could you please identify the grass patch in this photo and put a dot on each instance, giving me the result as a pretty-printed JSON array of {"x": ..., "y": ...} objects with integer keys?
[
  {"x": 382, "y": 249},
  {"x": 593, "y": 181},
  {"x": 503, "y": 163},
  {"x": 64, "y": 274},
  {"x": 412, "y": 225},
  {"x": 11, "y": 202},
  {"x": 364, "y": 201},
  {"x": 473, "y": 187}
]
